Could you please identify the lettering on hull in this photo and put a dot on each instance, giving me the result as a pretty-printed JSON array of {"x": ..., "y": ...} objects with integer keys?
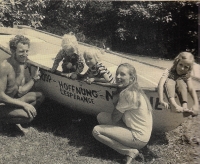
[{"x": 89, "y": 96}]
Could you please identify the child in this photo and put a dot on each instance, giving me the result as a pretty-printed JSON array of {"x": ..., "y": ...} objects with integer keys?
[
  {"x": 178, "y": 79},
  {"x": 96, "y": 71},
  {"x": 72, "y": 62}
]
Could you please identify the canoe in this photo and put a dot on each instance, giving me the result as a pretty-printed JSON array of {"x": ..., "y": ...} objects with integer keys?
[{"x": 97, "y": 97}]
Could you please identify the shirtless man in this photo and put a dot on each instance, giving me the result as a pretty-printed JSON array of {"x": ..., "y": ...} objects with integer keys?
[{"x": 16, "y": 102}]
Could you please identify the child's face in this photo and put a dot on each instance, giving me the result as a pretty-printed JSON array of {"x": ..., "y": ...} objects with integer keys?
[
  {"x": 123, "y": 78},
  {"x": 90, "y": 61},
  {"x": 183, "y": 67}
]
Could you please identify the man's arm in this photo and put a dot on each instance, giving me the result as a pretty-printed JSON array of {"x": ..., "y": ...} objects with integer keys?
[{"x": 26, "y": 87}]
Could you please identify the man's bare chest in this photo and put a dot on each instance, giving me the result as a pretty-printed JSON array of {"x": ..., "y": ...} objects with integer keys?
[{"x": 15, "y": 77}]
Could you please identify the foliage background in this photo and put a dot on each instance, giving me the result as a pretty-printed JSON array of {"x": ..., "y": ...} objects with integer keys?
[{"x": 151, "y": 28}]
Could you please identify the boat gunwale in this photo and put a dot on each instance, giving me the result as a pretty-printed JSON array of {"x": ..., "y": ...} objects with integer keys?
[
  {"x": 124, "y": 55},
  {"x": 58, "y": 73}
]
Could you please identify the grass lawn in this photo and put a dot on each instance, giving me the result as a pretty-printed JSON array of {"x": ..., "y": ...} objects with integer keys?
[{"x": 62, "y": 136}]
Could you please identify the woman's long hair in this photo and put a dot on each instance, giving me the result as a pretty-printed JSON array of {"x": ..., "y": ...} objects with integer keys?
[{"x": 135, "y": 86}]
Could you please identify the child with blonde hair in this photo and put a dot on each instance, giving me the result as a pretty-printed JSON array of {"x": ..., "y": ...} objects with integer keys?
[
  {"x": 178, "y": 80},
  {"x": 72, "y": 62},
  {"x": 96, "y": 72}
]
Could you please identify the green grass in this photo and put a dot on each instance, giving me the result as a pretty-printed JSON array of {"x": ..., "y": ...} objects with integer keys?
[{"x": 59, "y": 135}]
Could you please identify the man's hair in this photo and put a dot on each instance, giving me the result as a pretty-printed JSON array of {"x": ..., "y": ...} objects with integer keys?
[{"x": 16, "y": 40}]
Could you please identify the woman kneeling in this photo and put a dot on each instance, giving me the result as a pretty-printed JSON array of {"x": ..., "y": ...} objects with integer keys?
[{"x": 128, "y": 128}]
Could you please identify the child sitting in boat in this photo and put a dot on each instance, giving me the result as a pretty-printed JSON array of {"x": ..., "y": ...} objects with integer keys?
[
  {"x": 178, "y": 79},
  {"x": 72, "y": 62},
  {"x": 96, "y": 72}
]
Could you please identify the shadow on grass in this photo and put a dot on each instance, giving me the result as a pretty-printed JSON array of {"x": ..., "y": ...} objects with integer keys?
[{"x": 77, "y": 128}]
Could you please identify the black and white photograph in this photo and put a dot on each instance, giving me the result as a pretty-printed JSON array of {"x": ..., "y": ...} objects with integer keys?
[{"x": 99, "y": 82}]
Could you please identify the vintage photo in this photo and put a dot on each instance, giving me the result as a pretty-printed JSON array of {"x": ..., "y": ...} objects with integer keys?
[{"x": 99, "y": 82}]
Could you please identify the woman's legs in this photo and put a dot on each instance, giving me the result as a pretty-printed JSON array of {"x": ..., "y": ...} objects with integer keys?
[{"x": 119, "y": 137}]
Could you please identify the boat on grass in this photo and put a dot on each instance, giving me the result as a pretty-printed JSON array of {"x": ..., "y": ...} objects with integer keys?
[{"x": 97, "y": 97}]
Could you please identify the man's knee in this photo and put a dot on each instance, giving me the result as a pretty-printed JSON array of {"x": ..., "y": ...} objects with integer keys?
[
  {"x": 17, "y": 119},
  {"x": 40, "y": 96},
  {"x": 20, "y": 115}
]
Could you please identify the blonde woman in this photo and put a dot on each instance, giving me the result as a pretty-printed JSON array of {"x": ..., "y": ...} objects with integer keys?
[{"x": 128, "y": 128}]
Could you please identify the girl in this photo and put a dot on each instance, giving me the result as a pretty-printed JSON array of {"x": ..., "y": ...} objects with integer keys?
[
  {"x": 96, "y": 72},
  {"x": 72, "y": 61},
  {"x": 178, "y": 79},
  {"x": 128, "y": 128}
]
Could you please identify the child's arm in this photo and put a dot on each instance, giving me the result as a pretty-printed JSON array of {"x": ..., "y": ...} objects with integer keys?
[
  {"x": 161, "y": 89},
  {"x": 192, "y": 91},
  {"x": 94, "y": 79},
  {"x": 57, "y": 60},
  {"x": 105, "y": 79}
]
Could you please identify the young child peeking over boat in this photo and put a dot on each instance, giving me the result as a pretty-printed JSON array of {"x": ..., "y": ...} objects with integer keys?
[
  {"x": 96, "y": 72},
  {"x": 178, "y": 80},
  {"x": 72, "y": 62}
]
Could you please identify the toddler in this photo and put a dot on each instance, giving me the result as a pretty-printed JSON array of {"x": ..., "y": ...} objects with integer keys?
[
  {"x": 178, "y": 79},
  {"x": 72, "y": 62},
  {"x": 96, "y": 72}
]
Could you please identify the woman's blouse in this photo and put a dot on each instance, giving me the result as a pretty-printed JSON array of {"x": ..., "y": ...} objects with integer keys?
[{"x": 136, "y": 116}]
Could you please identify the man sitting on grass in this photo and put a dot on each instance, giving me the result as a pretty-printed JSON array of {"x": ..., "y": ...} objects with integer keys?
[{"x": 16, "y": 102}]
